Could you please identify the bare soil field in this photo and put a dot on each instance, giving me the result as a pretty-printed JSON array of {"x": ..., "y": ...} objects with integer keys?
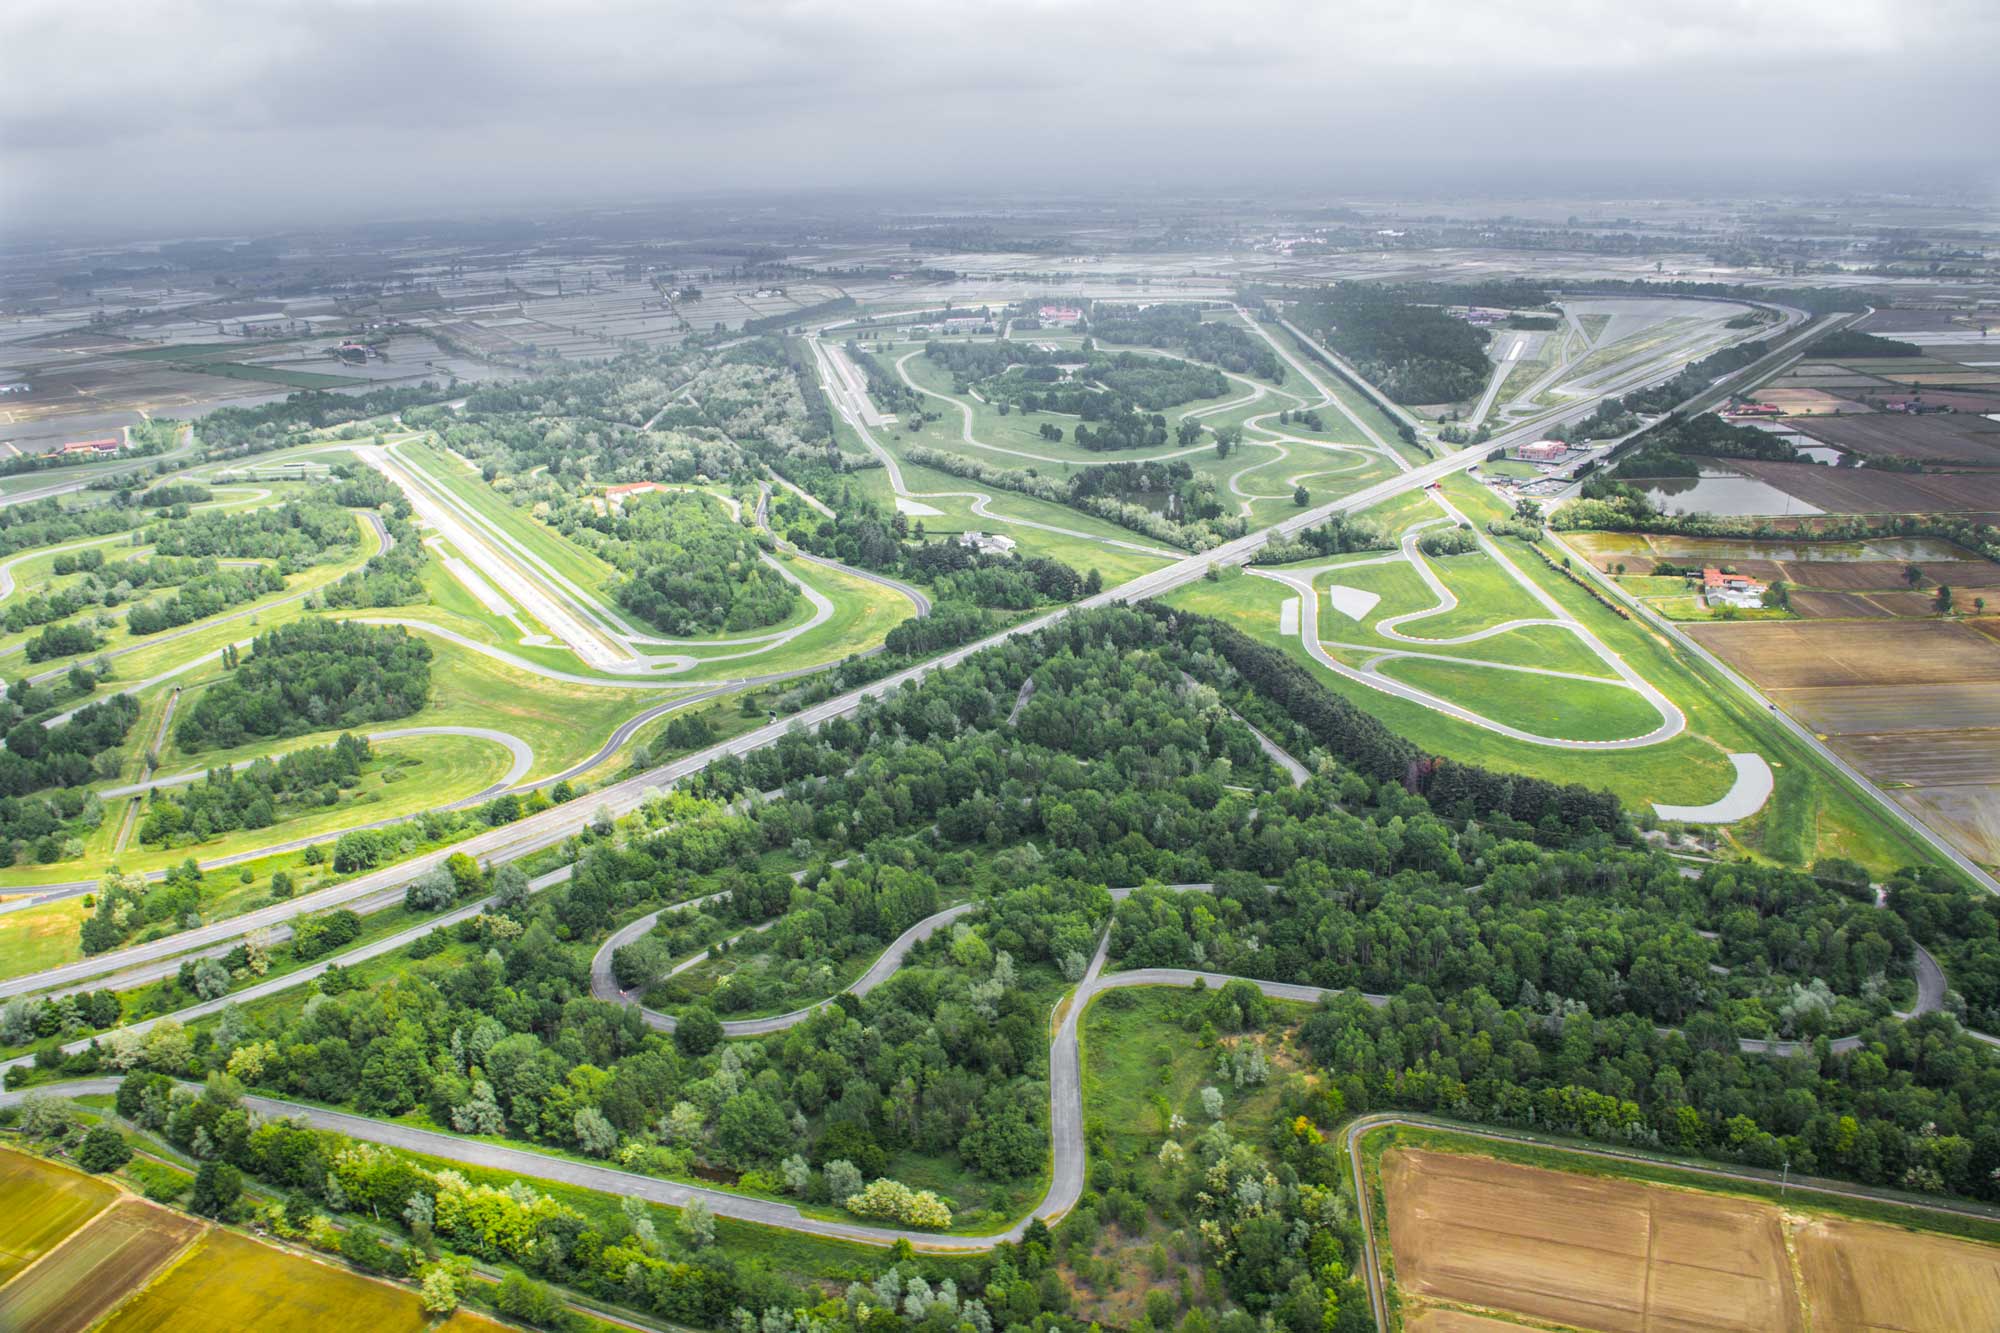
[
  {"x": 1874, "y": 1277},
  {"x": 1865, "y": 491},
  {"x": 1836, "y": 606},
  {"x": 1583, "y": 1250},
  {"x": 1965, "y": 402},
  {"x": 1869, "y": 709},
  {"x": 1910, "y": 604},
  {"x": 1968, "y": 816},
  {"x": 1810, "y": 399},
  {"x": 79, "y": 1281},
  {"x": 1504, "y": 1242},
  {"x": 1925, "y": 758},
  {"x": 1960, "y": 437},
  {"x": 1914, "y": 704},
  {"x": 1457, "y": 1321},
  {"x": 1887, "y": 575},
  {"x": 1781, "y": 655}
]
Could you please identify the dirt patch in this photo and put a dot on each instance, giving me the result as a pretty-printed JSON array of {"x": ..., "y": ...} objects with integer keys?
[
  {"x": 1804, "y": 654},
  {"x": 1582, "y": 1250},
  {"x": 1875, "y": 1277},
  {"x": 1457, "y": 1321},
  {"x": 78, "y": 1282},
  {"x": 1807, "y": 396},
  {"x": 1925, "y": 758},
  {"x": 1845, "y": 490},
  {"x": 1956, "y": 438},
  {"x": 1870, "y": 709},
  {"x": 1835, "y": 606},
  {"x": 1888, "y": 575}
]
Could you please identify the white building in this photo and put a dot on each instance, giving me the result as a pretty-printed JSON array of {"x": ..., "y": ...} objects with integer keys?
[{"x": 987, "y": 545}]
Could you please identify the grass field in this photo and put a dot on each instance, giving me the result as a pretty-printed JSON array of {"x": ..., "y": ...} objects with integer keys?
[
  {"x": 230, "y": 1281},
  {"x": 1566, "y": 709}
]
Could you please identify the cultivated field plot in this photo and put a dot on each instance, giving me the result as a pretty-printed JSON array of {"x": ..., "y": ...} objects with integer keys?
[
  {"x": 1866, "y": 491},
  {"x": 42, "y": 1204},
  {"x": 1592, "y": 1252},
  {"x": 82, "y": 1279},
  {"x": 1799, "y": 655},
  {"x": 1584, "y": 1251},
  {"x": 230, "y": 1281},
  {"x": 1914, "y": 705},
  {"x": 1862, "y": 1276},
  {"x": 1959, "y": 437},
  {"x": 1801, "y": 401}
]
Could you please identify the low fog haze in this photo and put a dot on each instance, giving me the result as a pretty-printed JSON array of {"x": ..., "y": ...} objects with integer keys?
[{"x": 226, "y": 114}]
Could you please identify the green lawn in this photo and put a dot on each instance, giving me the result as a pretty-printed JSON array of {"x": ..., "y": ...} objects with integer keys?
[{"x": 1572, "y": 710}]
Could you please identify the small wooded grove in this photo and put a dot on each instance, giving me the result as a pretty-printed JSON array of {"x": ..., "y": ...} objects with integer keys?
[
  {"x": 310, "y": 675},
  {"x": 1412, "y": 350}
]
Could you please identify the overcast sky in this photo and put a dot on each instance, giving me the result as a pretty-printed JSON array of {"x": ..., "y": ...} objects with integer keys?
[{"x": 228, "y": 115}]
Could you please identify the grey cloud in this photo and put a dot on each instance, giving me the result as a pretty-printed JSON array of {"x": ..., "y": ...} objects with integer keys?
[{"x": 258, "y": 110}]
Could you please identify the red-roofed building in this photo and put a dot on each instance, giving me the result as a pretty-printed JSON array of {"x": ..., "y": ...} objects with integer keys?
[
  {"x": 1542, "y": 451},
  {"x": 91, "y": 448},
  {"x": 1756, "y": 410},
  {"x": 1059, "y": 314},
  {"x": 1718, "y": 589}
]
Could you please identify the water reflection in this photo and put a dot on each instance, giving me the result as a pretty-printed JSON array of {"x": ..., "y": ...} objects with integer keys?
[{"x": 1723, "y": 493}]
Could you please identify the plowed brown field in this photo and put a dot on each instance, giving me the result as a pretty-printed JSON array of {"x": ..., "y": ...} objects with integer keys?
[
  {"x": 1862, "y": 1276},
  {"x": 1803, "y": 654},
  {"x": 1585, "y": 1251},
  {"x": 1506, "y": 1242}
]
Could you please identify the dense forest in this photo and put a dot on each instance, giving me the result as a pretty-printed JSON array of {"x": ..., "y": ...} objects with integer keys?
[
  {"x": 310, "y": 675},
  {"x": 1413, "y": 352},
  {"x": 689, "y": 569},
  {"x": 296, "y": 534},
  {"x": 1181, "y": 328}
]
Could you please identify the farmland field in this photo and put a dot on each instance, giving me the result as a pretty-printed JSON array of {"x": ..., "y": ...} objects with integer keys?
[
  {"x": 80, "y": 1281},
  {"x": 1866, "y": 491},
  {"x": 1957, "y": 438},
  {"x": 1497, "y": 1241},
  {"x": 230, "y": 1281},
  {"x": 43, "y": 1203},
  {"x": 1800, "y": 655},
  {"x": 1584, "y": 1251},
  {"x": 1852, "y": 682}
]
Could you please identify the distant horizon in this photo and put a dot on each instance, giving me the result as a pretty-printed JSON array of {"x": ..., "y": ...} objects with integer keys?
[
  {"x": 204, "y": 116},
  {"x": 1552, "y": 206}
]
